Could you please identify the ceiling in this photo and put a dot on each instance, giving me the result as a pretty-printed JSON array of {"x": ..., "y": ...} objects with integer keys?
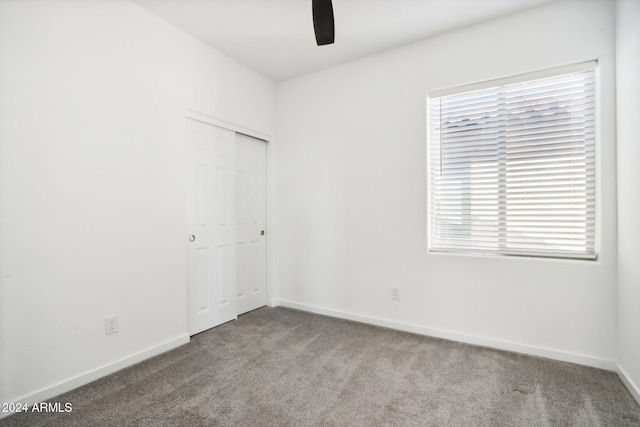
[{"x": 276, "y": 39}]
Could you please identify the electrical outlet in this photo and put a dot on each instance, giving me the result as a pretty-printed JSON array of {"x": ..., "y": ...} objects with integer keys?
[
  {"x": 395, "y": 293},
  {"x": 111, "y": 325}
]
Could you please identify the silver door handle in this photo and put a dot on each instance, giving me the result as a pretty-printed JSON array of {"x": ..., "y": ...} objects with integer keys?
[{"x": 192, "y": 238}]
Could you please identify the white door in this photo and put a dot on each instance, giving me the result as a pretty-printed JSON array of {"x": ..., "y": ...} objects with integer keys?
[
  {"x": 212, "y": 215},
  {"x": 251, "y": 216}
]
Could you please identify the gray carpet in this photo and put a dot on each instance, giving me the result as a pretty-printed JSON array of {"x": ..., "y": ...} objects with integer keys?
[{"x": 281, "y": 367}]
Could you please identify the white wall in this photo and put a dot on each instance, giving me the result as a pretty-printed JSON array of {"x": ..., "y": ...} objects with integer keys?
[
  {"x": 92, "y": 183},
  {"x": 351, "y": 199},
  {"x": 628, "y": 111}
]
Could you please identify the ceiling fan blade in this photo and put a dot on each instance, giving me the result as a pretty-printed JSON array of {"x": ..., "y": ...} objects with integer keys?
[{"x": 323, "y": 23}]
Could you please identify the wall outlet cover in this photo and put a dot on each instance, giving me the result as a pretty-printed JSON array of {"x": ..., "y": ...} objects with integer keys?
[{"x": 111, "y": 325}]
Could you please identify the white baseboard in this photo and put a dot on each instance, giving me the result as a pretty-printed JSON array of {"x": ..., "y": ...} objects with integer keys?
[
  {"x": 548, "y": 353},
  {"x": 628, "y": 382},
  {"x": 87, "y": 377}
]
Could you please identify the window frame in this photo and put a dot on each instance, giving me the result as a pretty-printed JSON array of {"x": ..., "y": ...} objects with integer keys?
[{"x": 591, "y": 65}]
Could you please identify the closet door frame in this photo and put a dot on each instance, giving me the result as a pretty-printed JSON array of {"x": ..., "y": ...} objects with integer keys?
[{"x": 269, "y": 235}]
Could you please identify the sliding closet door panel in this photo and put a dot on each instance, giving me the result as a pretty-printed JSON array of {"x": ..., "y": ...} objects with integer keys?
[
  {"x": 211, "y": 282},
  {"x": 250, "y": 222}
]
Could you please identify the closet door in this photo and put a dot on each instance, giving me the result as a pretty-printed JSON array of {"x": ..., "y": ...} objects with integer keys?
[
  {"x": 211, "y": 253},
  {"x": 250, "y": 223}
]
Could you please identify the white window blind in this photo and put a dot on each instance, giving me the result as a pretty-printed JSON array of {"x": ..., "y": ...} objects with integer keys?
[{"x": 512, "y": 169}]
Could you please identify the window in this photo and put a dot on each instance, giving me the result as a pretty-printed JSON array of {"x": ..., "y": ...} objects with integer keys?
[{"x": 512, "y": 166}]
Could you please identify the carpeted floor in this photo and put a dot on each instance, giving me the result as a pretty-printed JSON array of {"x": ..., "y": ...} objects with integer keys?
[{"x": 281, "y": 367}]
